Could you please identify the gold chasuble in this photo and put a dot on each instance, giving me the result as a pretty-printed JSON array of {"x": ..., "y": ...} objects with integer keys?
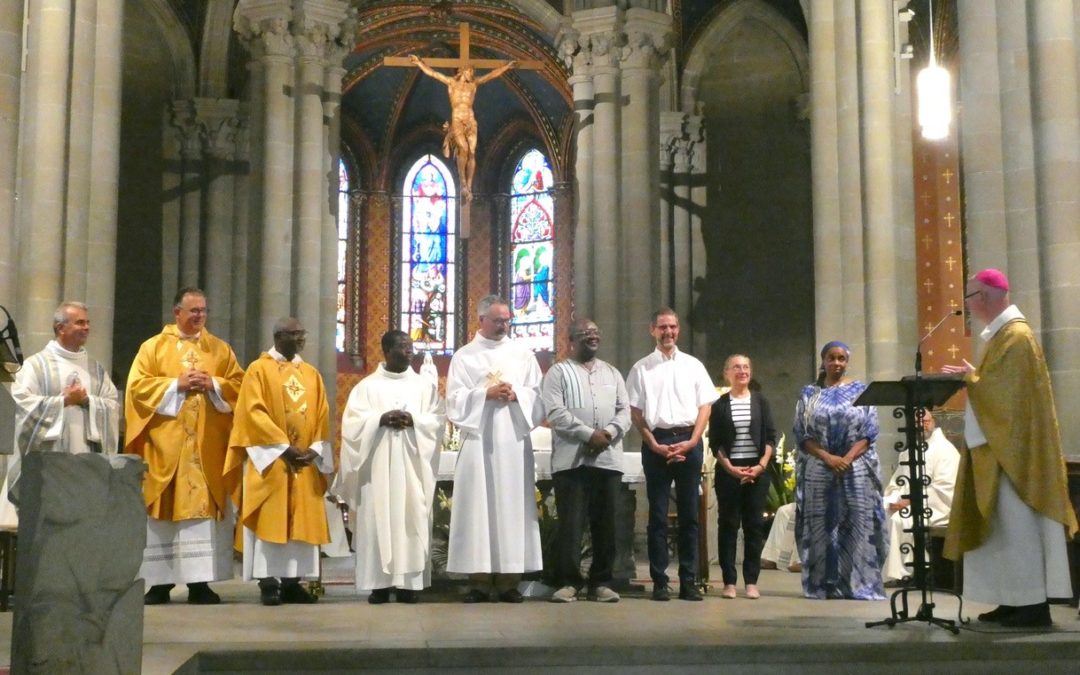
[
  {"x": 1014, "y": 405},
  {"x": 284, "y": 404},
  {"x": 185, "y": 453}
]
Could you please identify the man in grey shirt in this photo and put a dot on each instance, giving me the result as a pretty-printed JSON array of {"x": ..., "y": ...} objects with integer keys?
[{"x": 586, "y": 405}]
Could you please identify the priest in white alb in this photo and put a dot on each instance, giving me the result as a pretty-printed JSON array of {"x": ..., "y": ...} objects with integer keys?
[
  {"x": 389, "y": 449},
  {"x": 65, "y": 401},
  {"x": 493, "y": 396}
]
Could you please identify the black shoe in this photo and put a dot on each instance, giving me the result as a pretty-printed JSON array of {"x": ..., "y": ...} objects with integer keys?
[
  {"x": 661, "y": 593},
  {"x": 689, "y": 591},
  {"x": 295, "y": 594},
  {"x": 476, "y": 595},
  {"x": 158, "y": 595},
  {"x": 200, "y": 594},
  {"x": 512, "y": 595},
  {"x": 1029, "y": 616},
  {"x": 270, "y": 595},
  {"x": 407, "y": 596},
  {"x": 995, "y": 615},
  {"x": 379, "y": 596}
]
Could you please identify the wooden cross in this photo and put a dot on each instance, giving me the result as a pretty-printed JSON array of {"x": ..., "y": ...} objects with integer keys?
[{"x": 463, "y": 60}]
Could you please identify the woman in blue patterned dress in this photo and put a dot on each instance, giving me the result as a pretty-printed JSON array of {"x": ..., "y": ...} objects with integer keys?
[{"x": 840, "y": 525}]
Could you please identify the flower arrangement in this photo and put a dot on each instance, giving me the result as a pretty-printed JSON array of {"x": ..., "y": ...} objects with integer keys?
[{"x": 782, "y": 475}]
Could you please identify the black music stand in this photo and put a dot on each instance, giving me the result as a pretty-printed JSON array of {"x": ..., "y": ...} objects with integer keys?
[{"x": 913, "y": 396}]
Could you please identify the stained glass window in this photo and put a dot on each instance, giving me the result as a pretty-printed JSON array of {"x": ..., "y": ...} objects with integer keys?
[
  {"x": 532, "y": 253},
  {"x": 428, "y": 245},
  {"x": 342, "y": 246}
]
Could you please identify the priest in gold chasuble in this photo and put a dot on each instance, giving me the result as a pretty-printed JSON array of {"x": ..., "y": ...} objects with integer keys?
[
  {"x": 279, "y": 454},
  {"x": 1011, "y": 512},
  {"x": 180, "y": 395}
]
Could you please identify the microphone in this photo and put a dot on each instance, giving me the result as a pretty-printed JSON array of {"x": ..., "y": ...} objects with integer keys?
[{"x": 918, "y": 350}]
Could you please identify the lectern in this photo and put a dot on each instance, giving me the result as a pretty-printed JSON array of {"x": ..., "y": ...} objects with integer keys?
[{"x": 911, "y": 397}]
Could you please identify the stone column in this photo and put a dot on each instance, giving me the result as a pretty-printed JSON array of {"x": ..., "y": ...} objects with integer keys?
[
  {"x": 310, "y": 177},
  {"x": 600, "y": 28},
  {"x": 190, "y": 231},
  {"x": 880, "y": 226},
  {"x": 79, "y": 162},
  {"x": 41, "y": 199},
  {"x": 699, "y": 191},
  {"x": 1053, "y": 32},
  {"x": 647, "y": 34},
  {"x": 581, "y": 81},
  {"x": 264, "y": 27},
  {"x": 11, "y": 23},
  {"x": 105, "y": 177},
  {"x": 217, "y": 122},
  {"x": 825, "y": 168},
  {"x": 241, "y": 258}
]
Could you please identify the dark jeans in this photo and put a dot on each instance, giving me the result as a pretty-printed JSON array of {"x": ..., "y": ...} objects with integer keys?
[
  {"x": 659, "y": 475},
  {"x": 580, "y": 493},
  {"x": 740, "y": 504}
]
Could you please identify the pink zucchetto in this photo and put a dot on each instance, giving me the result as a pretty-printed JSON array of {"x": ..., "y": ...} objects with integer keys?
[{"x": 993, "y": 278}]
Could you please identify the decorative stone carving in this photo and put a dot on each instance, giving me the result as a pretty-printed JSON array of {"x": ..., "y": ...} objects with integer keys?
[
  {"x": 218, "y": 122},
  {"x": 82, "y": 530}
]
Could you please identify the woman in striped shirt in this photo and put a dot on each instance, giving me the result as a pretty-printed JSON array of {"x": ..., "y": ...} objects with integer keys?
[{"x": 742, "y": 437}]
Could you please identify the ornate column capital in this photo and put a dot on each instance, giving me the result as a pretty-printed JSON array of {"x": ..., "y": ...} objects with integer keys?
[
  {"x": 648, "y": 39},
  {"x": 263, "y": 25},
  {"x": 218, "y": 120},
  {"x": 183, "y": 118}
]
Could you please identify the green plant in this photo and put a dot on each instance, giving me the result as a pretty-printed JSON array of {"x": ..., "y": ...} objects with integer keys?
[{"x": 782, "y": 477}]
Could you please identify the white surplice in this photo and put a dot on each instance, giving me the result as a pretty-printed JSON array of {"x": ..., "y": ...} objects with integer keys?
[
  {"x": 388, "y": 477},
  {"x": 493, "y": 523},
  {"x": 44, "y": 424}
]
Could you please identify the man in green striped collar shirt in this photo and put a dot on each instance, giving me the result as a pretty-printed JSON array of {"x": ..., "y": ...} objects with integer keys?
[{"x": 586, "y": 405}]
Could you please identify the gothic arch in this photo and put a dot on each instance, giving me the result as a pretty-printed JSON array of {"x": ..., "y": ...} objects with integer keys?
[
  {"x": 721, "y": 27},
  {"x": 177, "y": 44},
  {"x": 217, "y": 40}
]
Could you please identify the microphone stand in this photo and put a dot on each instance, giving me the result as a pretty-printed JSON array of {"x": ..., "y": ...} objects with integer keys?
[{"x": 922, "y": 578}]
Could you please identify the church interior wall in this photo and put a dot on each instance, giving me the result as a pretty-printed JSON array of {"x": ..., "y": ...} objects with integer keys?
[
  {"x": 156, "y": 70},
  {"x": 757, "y": 229}
]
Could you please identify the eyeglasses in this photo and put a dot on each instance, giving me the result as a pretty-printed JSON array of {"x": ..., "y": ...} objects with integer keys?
[
  {"x": 972, "y": 294},
  {"x": 592, "y": 332},
  {"x": 197, "y": 310},
  {"x": 498, "y": 322}
]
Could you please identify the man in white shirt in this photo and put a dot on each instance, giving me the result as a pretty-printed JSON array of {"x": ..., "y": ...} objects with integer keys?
[
  {"x": 671, "y": 397},
  {"x": 65, "y": 399}
]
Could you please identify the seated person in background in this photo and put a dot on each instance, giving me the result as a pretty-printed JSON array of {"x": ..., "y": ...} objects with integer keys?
[{"x": 942, "y": 460}]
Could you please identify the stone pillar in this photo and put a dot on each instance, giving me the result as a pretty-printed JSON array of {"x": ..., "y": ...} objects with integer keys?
[
  {"x": 190, "y": 188},
  {"x": 241, "y": 254},
  {"x": 581, "y": 82},
  {"x": 825, "y": 168},
  {"x": 43, "y": 147},
  {"x": 265, "y": 29},
  {"x": 647, "y": 34},
  {"x": 217, "y": 122},
  {"x": 105, "y": 177},
  {"x": 310, "y": 174},
  {"x": 600, "y": 40},
  {"x": 1053, "y": 33},
  {"x": 79, "y": 162},
  {"x": 11, "y": 24},
  {"x": 699, "y": 191},
  {"x": 879, "y": 166}
]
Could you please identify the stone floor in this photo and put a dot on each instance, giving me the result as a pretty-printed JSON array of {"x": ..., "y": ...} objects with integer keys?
[{"x": 781, "y": 632}]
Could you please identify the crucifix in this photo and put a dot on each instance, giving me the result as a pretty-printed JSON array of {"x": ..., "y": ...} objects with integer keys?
[{"x": 461, "y": 132}]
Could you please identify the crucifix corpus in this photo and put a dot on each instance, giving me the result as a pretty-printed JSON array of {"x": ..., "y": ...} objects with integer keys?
[{"x": 460, "y": 138}]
